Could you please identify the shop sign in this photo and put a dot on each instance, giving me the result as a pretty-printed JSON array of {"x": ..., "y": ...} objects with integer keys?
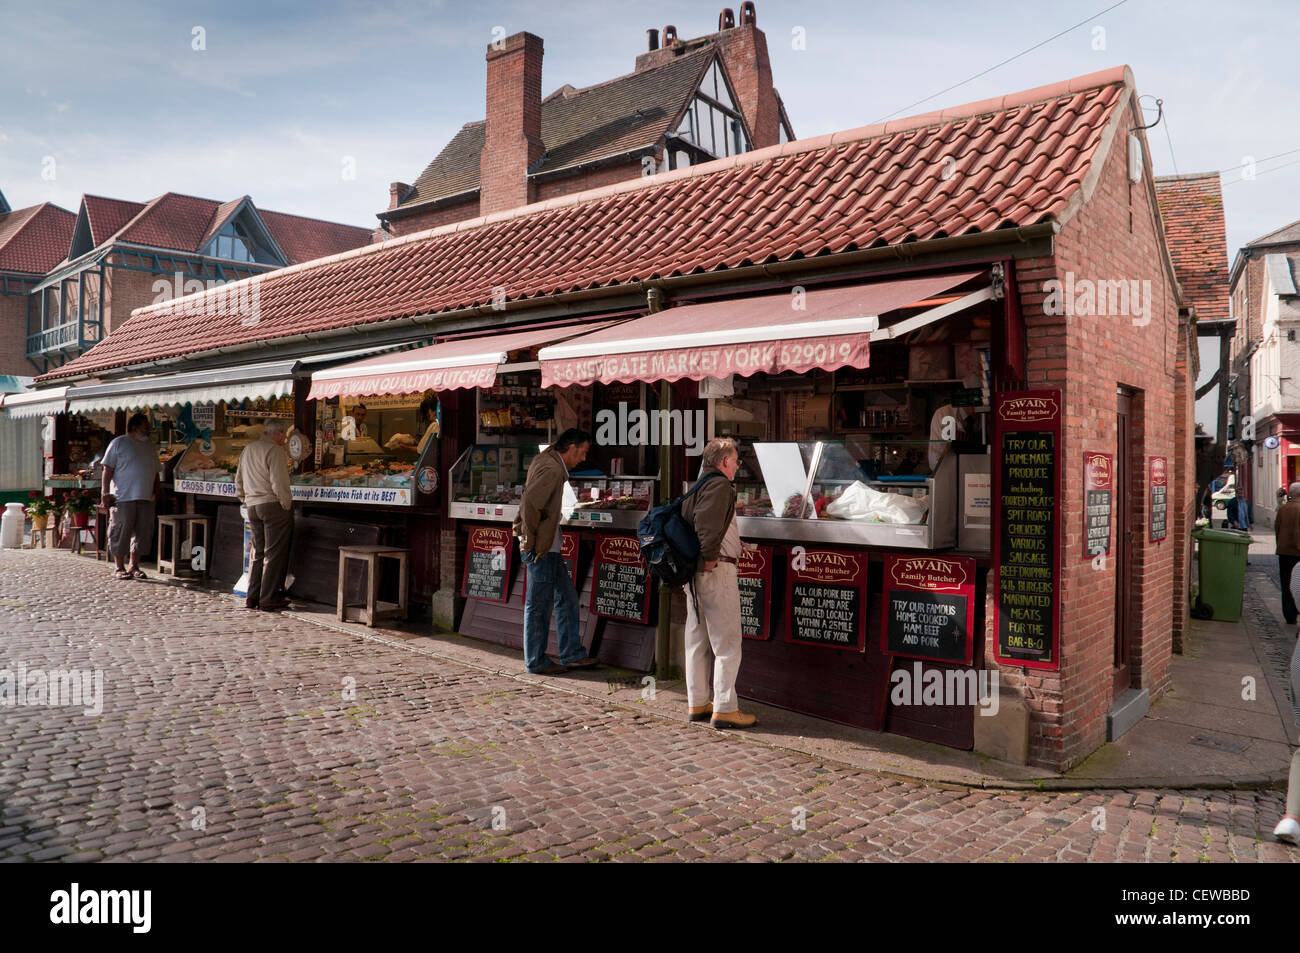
[
  {"x": 365, "y": 495},
  {"x": 620, "y": 580},
  {"x": 826, "y": 598},
  {"x": 754, "y": 575},
  {"x": 770, "y": 357},
  {"x": 206, "y": 487},
  {"x": 928, "y": 609},
  {"x": 1159, "y": 499},
  {"x": 407, "y": 382},
  {"x": 427, "y": 481},
  {"x": 487, "y": 564},
  {"x": 1098, "y": 482},
  {"x": 1026, "y": 494},
  {"x": 204, "y": 416}
]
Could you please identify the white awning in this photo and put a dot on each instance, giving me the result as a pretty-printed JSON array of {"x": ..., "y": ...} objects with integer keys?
[
  {"x": 36, "y": 403},
  {"x": 250, "y": 382}
]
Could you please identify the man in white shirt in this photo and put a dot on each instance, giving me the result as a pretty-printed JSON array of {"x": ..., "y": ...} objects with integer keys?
[
  {"x": 129, "y": 488},
  {"x": 262, "y": 485}
]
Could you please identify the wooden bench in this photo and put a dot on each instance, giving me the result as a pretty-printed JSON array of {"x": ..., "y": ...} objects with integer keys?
[
  {"x": 373, "y": 610},
  {"x": 175, "y": 559}
]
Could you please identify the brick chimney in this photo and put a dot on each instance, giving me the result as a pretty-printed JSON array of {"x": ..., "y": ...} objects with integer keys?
[
  {"x": 744, "y": 50},
  {"x": 395, "y": 192},
  {"x": 513, "y": 139}
]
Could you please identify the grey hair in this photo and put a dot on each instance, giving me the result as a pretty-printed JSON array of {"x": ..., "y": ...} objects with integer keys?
[
  {"x": 718, "y": 449},
  {"x": 274, "y": 426}
]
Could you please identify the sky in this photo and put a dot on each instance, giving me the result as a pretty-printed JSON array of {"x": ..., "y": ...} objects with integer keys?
[{"x": 314, "y": 108}]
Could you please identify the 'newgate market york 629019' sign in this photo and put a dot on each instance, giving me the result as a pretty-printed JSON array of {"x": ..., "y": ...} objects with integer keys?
[{"x": 1027, "y": 546}]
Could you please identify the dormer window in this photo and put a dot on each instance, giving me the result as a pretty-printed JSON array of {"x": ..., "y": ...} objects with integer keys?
[
  {"x": 233, "y": 243},
  {"x": 711, "y": 122}
]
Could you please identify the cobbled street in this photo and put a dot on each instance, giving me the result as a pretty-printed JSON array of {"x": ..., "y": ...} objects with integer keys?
[{"x": 226, "y": 735}]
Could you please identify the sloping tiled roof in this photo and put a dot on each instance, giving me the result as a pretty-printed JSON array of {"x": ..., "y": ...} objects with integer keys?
[
  {"x": 35, "y": 239},
  {"x": 171, "y": 221},
  {"x": 107, "y": 216},
  {"x": 1192, "y": 209},
  {"x": 305, "y": 239},
  {"x": 1284, "y": 235},
  {"x": 219, "y": 218},
  {"x": 577, "y": 125},
  {"x": 1018, "y": 160}
]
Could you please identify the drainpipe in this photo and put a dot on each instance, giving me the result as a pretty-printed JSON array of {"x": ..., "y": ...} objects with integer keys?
[{"x": 663, "y": 631}]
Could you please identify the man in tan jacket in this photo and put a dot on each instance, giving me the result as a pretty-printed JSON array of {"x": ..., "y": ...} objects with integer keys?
[
  {"x": 262, "y": 485},
  {"x": 538, "y": 527},
  {"x": 713, "y": 599},
  {"x": 1286, "y": 527}
]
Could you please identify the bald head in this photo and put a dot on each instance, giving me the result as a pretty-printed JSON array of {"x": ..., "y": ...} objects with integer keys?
[{"x": 1293, "y": 490}]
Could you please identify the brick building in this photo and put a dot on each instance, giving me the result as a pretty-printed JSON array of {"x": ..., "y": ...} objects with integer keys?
[
  {"x": 687, "y": 101},
  {"x": 1039, "y": 206},
  {"x": 33, "y": 241}
]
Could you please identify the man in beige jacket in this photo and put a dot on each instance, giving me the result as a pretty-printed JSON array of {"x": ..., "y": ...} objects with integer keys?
[
  {"x": 1286, "y": 528},
  {"x": 262, "y": 485},
  {"x": 540, "y": 542},
  {"x": 713, "y": 598}
]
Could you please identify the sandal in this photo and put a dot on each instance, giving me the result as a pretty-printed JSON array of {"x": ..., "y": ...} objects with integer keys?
[
  {"x": 121, "y": 574},
  {"x": 139, "y": 574}
]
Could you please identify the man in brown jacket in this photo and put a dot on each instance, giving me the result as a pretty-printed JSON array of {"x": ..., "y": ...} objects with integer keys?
[
  {"x": 713, "y": 599},
  {"x": 1287, "y": 529},
  {"x": 540, "y": 541}
]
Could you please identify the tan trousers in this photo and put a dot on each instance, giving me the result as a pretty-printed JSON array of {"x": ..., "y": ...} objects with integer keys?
[{"x": 716, "y": 627}]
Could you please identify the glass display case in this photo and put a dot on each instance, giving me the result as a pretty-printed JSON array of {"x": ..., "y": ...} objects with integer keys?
[
  {"x": 487, "y": 483},
  {"x": 853, "y": 492}
]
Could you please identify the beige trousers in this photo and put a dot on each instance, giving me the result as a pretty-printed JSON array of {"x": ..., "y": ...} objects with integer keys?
[{"x": 716, "y": 627}]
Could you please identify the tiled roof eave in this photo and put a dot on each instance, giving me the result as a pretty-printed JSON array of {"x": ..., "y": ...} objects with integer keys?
[
  {"x": 543, "y": 175},
  {"x": 428, "y": 205}
]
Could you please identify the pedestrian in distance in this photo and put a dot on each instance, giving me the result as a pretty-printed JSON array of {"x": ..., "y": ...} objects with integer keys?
[
  {"x": 1286, "y": 530},
  {"x": 537, "y": 526},
  {"x": 262, "y": 485},
  {"x": 129, "y": 488},
  {"x": 713, "y": 597}
]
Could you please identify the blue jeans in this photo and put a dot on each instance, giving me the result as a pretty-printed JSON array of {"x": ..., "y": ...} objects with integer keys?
[{"x": 549, "y": 583}]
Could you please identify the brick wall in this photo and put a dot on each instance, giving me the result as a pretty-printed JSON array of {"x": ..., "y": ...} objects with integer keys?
[
  {"x": 513, "y": 140},
  {"x": 1113, "y": 237},
  {"x": 13, "y": 337},
  {"x": 422, "y": 221}
]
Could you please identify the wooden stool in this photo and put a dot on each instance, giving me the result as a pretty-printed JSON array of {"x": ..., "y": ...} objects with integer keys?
[
  {"x": 373, "y": 610},
  {"x": 173, "y": 559}
]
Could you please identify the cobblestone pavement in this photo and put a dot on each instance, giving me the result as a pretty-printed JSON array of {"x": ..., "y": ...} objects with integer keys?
[{"x": 230, "y": 735}]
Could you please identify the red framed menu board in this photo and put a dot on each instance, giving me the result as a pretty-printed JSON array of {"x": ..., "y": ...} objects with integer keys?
[
  {"x": 1159, "y": 499},
  {"x": 826, "y": 598},
  {"x": 620, "y": 587},
  {"x": 487, "y": 564},
  {"x": 1098, "y": 484},
  {"x": 754, "y": 575},
  {"x": 928, "y": 609},
  {"x": 1027, "y": 542}
]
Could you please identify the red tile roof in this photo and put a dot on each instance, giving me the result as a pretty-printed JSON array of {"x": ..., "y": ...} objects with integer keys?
[
  {"x": 1192, "y": 209},
  {"x": 35, "y": 239},
  {"x": 304, "y": 239},
  {"x": 1017, "y": 160},
  {"x": 107, "y": 216}
]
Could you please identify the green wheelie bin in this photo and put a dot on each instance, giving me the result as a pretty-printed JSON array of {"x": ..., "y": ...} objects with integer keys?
[{"x": 1221, "y": 567}]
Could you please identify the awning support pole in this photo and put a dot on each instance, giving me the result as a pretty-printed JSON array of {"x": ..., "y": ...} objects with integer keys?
[{"x": 664, "y": 629}]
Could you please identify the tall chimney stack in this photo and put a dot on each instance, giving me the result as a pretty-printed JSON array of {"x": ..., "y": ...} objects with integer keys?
[
  {"x": 744, "y": 50},
  {"x": 513, "y": 138}
]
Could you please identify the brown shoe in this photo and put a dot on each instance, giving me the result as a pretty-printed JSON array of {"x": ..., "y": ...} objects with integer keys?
[
  {"x": 700, "y": 712},
  {"x": 733, "y": 719},
  {"x": 552, "y": 668},
  {"x": 589, "y": 662}
]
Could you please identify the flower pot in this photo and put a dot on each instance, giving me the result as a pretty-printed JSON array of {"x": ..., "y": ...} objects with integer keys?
[
  {"x": 39, "y": 523},
  {"x": 80, "y": 520}
]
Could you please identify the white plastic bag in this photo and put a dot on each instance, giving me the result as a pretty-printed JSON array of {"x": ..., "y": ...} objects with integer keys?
[{"x": 861, "y": 502}]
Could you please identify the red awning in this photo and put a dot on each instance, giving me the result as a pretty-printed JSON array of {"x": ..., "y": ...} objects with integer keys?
[
  {"x": 769, "y": 334},
  {"x": 467, "y": 362}
]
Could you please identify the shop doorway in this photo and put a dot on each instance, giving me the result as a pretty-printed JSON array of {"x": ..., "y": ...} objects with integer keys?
[{"x": 1123, "y": 540}]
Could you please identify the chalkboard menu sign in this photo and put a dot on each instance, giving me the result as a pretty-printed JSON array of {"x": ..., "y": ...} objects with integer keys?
[
  {"x": 1159, "y": 499},
  {"x": 1098, "y": 481},
  {"x": 621, "y": 580},
  {"x": 754, "y": 574},
  {"x": 487, "y": 564},
  {"x": 826, "y": 598},
  {"x": 928, "y": 610},
  {"x": 1026, "y": 493}
]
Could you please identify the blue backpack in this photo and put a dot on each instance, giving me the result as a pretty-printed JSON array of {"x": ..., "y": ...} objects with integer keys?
[{"x": 668, "y": 543}]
